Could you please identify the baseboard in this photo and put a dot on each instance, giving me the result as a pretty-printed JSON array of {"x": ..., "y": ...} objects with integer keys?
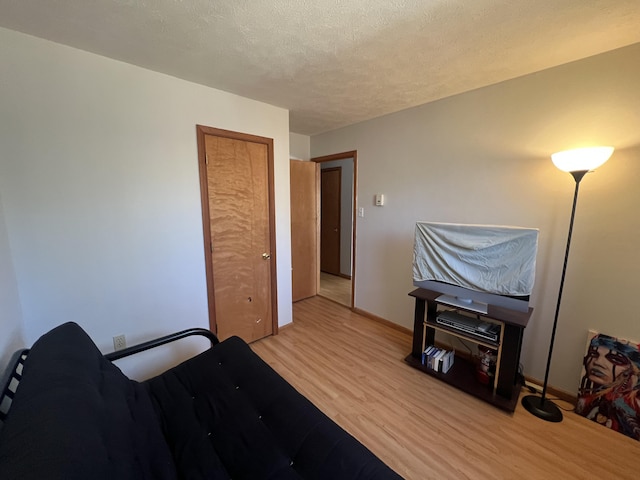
[
  {"x": 383, "y": 321},
  {"x": 552, "y": 392},
  {"x": 341, "y": 275}
]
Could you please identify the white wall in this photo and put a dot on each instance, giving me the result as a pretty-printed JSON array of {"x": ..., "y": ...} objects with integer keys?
[
  {"x": 483, "y": 157},
  {"x": 346, "y": 211},
  {"x": 12, "y": 337},
  {"x": 299, "y": 146},
  {"x": 99, "y": 180}
]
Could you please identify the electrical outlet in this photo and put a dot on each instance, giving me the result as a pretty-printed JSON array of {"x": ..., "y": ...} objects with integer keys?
[{"x": 119, "y": 342}]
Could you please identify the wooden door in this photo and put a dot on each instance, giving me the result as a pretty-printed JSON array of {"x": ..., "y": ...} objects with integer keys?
[
  {"x": 304, "y": 229},
  {"x": 330, "y": 189},
  {"x": 237, "y": 198}
]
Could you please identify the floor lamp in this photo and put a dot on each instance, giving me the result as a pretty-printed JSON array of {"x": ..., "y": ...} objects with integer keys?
[{"x": 578, "y": 163}]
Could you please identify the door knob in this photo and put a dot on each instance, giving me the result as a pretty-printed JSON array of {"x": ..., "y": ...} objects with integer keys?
[{"x": 266, "y": 256}]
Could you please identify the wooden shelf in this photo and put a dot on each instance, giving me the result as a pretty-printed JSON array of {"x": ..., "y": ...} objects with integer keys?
[
  {"x": 462, "y": 376},
  {"x": 502, "y": 314},
  {"x": 466, "y": 336}
]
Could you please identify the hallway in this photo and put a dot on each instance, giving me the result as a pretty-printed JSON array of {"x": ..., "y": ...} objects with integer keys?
[{"x": 335, "y": 288}]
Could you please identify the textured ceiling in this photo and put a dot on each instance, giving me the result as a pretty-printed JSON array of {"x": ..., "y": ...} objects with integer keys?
[{"x": 335, "y": 62}]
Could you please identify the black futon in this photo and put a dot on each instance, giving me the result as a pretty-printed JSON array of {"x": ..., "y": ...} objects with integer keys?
[{"x": 221, "y": 414}]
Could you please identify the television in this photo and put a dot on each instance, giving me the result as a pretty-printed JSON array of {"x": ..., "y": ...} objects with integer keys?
[{"x": 474, "y": 266}]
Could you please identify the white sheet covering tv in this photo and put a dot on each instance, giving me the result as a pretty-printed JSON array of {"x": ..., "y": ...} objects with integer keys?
[{"x": 484, "y": 264}]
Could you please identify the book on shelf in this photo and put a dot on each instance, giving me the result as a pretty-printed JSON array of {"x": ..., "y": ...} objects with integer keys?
[
  {"x": 438, "y": 359},
  {"x": 447, "y": 361},
  {"x": 428, "y": 355},
  {"x": 425, "y": 354}
]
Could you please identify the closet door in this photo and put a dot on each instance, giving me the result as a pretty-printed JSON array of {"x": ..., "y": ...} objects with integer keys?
[
  {"x": 237, "y": 198},
  {"x": 330, "y": 206}
]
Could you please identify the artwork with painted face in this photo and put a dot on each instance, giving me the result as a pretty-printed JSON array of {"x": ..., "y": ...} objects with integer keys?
[
  {"x": 604, "y": 365},
  {"x": 610, "y": 382}
]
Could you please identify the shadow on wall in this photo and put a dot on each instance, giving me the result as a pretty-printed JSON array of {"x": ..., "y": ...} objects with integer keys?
[
  {"x": 12, "y": 337},
  {"x": 13, "y": 341}
]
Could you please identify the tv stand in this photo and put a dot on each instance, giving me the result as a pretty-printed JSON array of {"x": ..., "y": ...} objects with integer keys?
[{"x": 506, "y": 387}]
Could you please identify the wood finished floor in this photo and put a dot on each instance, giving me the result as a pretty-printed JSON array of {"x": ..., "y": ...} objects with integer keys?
[
  {"x": 352, "y": 368},
  {"x": 335, "y": 288}
]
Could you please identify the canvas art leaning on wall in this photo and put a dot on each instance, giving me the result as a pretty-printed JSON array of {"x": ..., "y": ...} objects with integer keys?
[{"x": 610, "y": 382}]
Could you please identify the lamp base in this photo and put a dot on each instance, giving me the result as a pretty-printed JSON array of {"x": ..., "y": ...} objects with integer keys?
[{"x": 544, "y": 409}]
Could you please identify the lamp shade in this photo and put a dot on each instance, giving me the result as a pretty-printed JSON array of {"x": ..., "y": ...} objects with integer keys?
[{"x": 581, "y": 159}]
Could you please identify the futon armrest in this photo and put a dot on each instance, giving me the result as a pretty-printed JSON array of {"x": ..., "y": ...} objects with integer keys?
[
  {"x": 125, "y": 352},
  {"x": 76, "y": 416}
]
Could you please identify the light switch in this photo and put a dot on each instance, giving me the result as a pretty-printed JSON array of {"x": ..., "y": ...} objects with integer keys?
[
  {"x": 361, "y": 212},
  {"x": 379, "y": 200}
]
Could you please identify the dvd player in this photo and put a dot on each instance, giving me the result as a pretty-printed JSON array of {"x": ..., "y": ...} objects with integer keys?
[{"x": 473, "y": 326}]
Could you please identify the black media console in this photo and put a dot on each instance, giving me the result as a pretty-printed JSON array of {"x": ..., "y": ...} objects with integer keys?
[{"x": 506, "y": 387}]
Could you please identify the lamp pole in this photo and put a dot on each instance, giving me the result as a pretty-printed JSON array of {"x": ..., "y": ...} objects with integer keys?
[
  {"x": 578, "y": 163},
  {"x": 540, "y": 406}
]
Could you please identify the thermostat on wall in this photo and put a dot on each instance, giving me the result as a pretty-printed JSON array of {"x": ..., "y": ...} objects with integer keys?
[{"x": 379, "y": 199}]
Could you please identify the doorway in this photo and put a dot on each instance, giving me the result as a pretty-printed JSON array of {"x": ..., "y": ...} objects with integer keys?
[
  {"x": 236, "y": 185},
  {"x": 338, "y": 226},
  {"x": 330, "y": 228}
]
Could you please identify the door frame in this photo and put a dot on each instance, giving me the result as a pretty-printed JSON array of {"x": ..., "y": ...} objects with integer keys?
[
  {"x": 201, "y": 132},
  {"x": 344, "y": 156}
]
